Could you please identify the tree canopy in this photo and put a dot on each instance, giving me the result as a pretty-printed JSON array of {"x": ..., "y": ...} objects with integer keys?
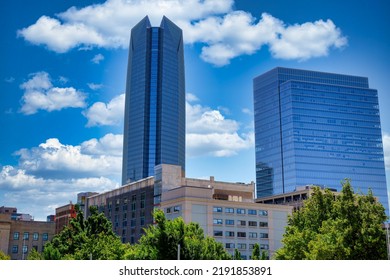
[
  {"x": 347, "y": 226},
  {"x": 93, "y": 238},
  {"x": 83, "y": 239},
  {"x": 161, "y": 242}
]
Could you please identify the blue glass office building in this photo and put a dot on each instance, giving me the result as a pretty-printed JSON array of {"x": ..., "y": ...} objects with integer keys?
[
  {"x": 154, "y": 131},
  {"x": 315, "y": 128}
]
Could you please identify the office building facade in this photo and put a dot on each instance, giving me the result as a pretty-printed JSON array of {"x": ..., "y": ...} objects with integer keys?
[
  {"x": 154, "y": 131},
  {"x": 315, "y": 128}
]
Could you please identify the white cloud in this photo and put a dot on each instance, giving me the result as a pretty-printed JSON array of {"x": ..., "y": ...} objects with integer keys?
[
  {"x": 386, "y": 149},
  {"x": 9, "y": 80},
  {"x": 40, "y": 94},
  {"x": 97, "y": 58},
  {"x": 224, "y": 33},
  {"x": 110, "y": 144},
  {"x": 247, "y": 111},
  {"x": 209, "y": 133},
  {"x": 40, "y": 196},
  {"x": 94, "y": 86},
  {"x": 52, "y": 173},
  {"x": 106, "y": 114},
  {"x": 53, "y": 159}
]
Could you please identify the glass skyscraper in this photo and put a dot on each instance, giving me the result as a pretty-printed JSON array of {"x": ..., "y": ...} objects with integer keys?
[
  {"x": 315, "y": 128},
  {"x": 154, "y": 131}
]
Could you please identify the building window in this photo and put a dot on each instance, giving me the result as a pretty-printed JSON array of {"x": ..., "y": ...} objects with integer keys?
[
  {"x": 26, "y": 235},
  {"x": 252, "y": 224},
  {"x": 15, "y": 249},
  {"x": 35, "y": 247},
  {"x": 143, "y": 200},
  {"x": 263, "y": 224},
  {"x": 176, "y": 209},
  {"x": 229, "y": 210},
  {"x": 16, "y": 235},
  {"x": 252, "y": 212},
  {"x": 229, "y": 245},
  {"x": 218, "y": 233},
  {"x": 142, "y": 222},
  {"x": 241, "y": 246},
  {"x": 35, "y": 236},
  {"x": 241, "y": 234},
  {"x": 253, "y": 235},
  {"x": 263, "y": 212},
  {"x": 217, "y": 209},
  {"x": 133, "y": 222},
  {"x": 264, "y": 246},
  {"x": 263, "y": 235},
  {"x": 242, "y": 223},
  {"x": 229, "y": 222},
  {"x": 45, "y": 236},
  {"x": 240, "y": 211},
  {"x": 229, "y": 233},
  {"x": 25, "y": 249},
  {"x": 217, "y": 221},
  {"x": 168, "y": 210}
]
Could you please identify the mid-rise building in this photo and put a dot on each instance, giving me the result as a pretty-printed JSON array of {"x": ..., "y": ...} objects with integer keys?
[
  {"x": 154, "y": 124},
  {"x": 19, "y": 237},
  {"x": 63, "y": 216},
  {"x": 225, "y": 211},
  {"x": 316, "y": 128}
]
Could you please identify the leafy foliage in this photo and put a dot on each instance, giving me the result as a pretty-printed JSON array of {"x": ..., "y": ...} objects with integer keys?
[
  {"x": 4, "y": 256},
  {"x": 92, "y": 238},
  {"x": 161, "y": 242},
  {"x": 345, "y": 227}
]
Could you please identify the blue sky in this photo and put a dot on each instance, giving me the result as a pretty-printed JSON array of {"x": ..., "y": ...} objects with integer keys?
[{"x": 62, "y": 79}]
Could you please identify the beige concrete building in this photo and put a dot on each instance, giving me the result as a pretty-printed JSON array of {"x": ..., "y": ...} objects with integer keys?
[
  {"x": 18, "y": 237},
  {"x": 227, "y": 212}
]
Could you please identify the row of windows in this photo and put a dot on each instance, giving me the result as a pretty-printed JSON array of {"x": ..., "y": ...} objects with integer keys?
[
  {"x": 243, "y": 246},
  {"x": 35, "y": 236},
  {"x": 243, "y": 223},
  {"x": 241, "y": 211},
  {"x": 219, "y": 233}
]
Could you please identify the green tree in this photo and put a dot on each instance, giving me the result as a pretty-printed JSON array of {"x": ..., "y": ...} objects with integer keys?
[
  {"x": 34, "y": 255},
  {"x": 161, "y": 242},
  {"x": 237, "y": 254},
  {"x": 83, "y": 239},
  {"x": 256, "y": 252},
  {"x": 4, "y": 256},
  {"x": 345, "y": 227}
]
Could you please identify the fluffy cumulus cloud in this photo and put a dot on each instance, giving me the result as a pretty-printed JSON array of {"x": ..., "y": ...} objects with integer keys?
[
  {"x": 101, "y": 113},
  {"x": 54, "y": 173},
  {"x": 224, "y": 32},
  {"x": 209, "y": 133},
  {"x": 40, "y": 94},
  {"x": 53, "y": 159}
]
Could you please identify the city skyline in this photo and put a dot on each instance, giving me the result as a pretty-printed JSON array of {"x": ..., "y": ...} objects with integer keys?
[{"x": 62, "y": 83}]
